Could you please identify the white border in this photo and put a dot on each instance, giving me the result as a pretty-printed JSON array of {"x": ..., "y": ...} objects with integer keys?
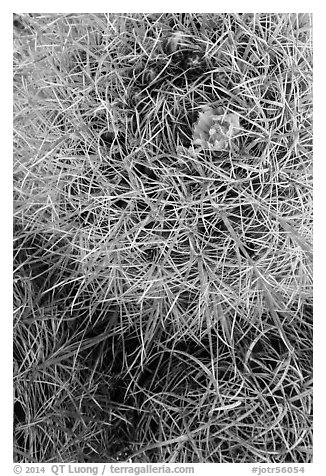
[{"x": 317, "y": 468}]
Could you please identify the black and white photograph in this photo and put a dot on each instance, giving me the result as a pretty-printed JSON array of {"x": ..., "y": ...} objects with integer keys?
[{"x": 162, "y": 238}]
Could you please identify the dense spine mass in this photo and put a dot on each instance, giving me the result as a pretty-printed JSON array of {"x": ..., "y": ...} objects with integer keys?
[{"x": 163, "y": 238}]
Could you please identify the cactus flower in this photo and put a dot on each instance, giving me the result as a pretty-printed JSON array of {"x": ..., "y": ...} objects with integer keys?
[{"x": 214, "y": 130}]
